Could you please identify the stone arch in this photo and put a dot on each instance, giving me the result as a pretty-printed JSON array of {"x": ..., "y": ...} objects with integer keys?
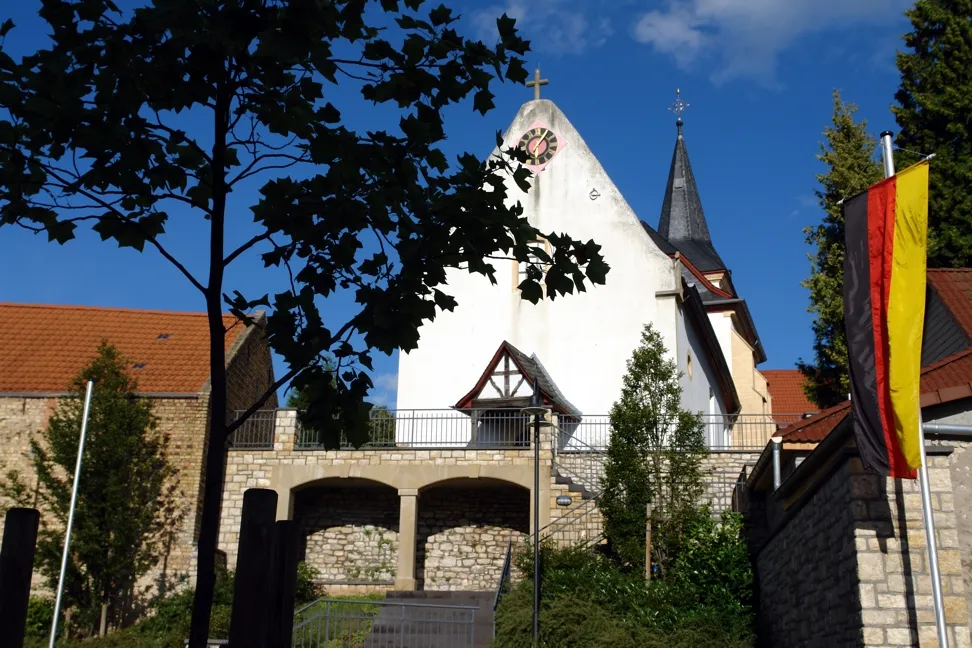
[
  {"x": 464, "y": 525},
  {"x": 348, "y": 531}
]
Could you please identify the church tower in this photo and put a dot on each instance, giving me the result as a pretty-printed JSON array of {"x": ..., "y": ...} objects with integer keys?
[{"x": 683, "y": 226}]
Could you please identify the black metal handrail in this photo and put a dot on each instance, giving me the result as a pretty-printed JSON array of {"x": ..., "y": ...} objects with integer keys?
[{"x": 504, "y": 580}]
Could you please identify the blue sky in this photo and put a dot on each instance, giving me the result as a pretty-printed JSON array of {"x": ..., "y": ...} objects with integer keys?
[{"x": 758, "y": 75}]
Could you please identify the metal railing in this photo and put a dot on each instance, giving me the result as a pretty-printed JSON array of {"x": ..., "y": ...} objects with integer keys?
[
  {"x": 256, "y": 431},
  {"x": 504, "y": 429},
  {"x": 333, "y": 623},
  {"x": 582, "y": 525},
  {"x": 720, "y": 431},
  {"x": 504, "y": 580}
]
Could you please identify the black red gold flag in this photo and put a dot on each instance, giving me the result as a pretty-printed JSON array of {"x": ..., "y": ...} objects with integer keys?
[{"x": 886, "y": 233}]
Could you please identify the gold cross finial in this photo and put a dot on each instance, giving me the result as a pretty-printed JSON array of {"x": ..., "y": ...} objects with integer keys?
[
  {"x": 679, "y": 106},
  {"x": 536, "y": 83}
]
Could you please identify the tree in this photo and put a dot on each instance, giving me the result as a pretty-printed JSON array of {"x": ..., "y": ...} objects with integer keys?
[
  {"x": 934, "y": 103},
  {"x": 654, "y": 456},
  {"x": 127, "y": 494},
  {"x": 848, "y": 153},
  {"x": 94, "y": 133}
]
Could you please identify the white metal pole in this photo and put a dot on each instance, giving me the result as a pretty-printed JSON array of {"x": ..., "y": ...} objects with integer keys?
[
  {"x": 70, "y": 522},
  {"x": 926, "y": 512},
  {"x": 926, "y": 507}
]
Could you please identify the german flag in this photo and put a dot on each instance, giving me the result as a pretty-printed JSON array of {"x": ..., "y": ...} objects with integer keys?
[{"x": 886, "y": 236}]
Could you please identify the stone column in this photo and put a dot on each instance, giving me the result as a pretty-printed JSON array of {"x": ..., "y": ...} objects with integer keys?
[
  {"x": 407, "y": 532},
  {"x": 285, "y": 502}
]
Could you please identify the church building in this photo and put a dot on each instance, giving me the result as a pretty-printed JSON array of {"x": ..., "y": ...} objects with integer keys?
[
  {"x": 485, "y": 355},
  {"x": 446, "y": 485}
]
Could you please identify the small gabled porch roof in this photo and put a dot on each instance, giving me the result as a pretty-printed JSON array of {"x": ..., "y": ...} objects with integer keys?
[{"x": 530, "y": 370}]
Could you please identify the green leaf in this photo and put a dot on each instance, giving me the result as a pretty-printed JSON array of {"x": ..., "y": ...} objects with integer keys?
[{"x": 5, "y": 28}]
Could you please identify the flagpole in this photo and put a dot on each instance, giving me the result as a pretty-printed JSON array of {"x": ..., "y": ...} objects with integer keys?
[
  {"x": 926, "y": 506},
  {"x": 70, "y": 521}
]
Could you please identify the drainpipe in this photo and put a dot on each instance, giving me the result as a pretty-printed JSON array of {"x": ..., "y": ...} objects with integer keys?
[{"x": 777, "y": 475}]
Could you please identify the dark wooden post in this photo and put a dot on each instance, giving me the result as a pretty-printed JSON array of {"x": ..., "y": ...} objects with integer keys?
[
  {"x": 249, "y": 622},
  {"x": 648, "y": 543},
  {"x": 16, "y": 566},
  {"x": 283, "y": 591}
]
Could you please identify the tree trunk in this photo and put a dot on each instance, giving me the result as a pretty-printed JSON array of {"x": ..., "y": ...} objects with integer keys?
[{"x": 216, "y": 446}]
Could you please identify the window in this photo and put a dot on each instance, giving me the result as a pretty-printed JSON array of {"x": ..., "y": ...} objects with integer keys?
[{"x": 521, "y": 270}]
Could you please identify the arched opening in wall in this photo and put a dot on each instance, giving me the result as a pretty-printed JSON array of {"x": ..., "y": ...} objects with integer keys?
[
  {"x": 348, "y": 532},
  {"x": 464, "y": 526}
]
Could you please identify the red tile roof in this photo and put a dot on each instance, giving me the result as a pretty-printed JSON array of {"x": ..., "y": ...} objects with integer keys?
[
  {"x": 786, "y": 390},
  {"x": 954, "y": 286},
  {"x": 942, "y": 382},
  {"x": 42, "y": 348},
  {"x": 947, "y": 380},
  {"x": 818, "y": 426}
]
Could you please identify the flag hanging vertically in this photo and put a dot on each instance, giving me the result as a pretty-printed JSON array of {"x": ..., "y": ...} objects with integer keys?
[{"x": 886, "y": 232}]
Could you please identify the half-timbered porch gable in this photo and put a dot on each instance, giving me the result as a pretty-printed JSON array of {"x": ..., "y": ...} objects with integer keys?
[{"x": 508, "y": 382}]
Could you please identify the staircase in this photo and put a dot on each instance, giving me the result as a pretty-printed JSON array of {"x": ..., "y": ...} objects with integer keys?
[
  {"x": 433, "y": 620},
  {"x": 576, "y": 473}
]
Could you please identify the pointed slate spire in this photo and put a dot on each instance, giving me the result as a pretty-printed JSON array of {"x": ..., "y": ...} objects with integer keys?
[{"x": 682, "y": 221}]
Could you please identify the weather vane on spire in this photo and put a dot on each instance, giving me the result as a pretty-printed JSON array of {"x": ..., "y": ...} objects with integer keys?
[{"x": 679, "y": 106}]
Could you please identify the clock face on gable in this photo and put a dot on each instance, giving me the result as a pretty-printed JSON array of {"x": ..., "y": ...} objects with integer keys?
[{"x": 540, "y": 144}]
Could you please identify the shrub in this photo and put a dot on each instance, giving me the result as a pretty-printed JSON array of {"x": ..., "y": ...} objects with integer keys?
[
  {"x": 307, "y": 589},
  {"x": 589, "y": 600},
  {"x": 40, "y": 613},
  {"x": 714, "y": 560}
]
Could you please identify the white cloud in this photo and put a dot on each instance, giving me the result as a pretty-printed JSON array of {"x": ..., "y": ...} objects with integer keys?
[
  {"x": 553, "y": 26},
  {"x": 385, "y": 389},
  {"x": 744, "y": 37}
]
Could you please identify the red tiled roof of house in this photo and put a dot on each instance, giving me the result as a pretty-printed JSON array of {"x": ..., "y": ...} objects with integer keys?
[
  {"x": 947, "y": 380},
  {"x": 954, "y": 286},
  {"x": 942, "y": 382},
  {"x": 786, "y": 391},
  {"x": 42, "y": 348},
  {"x": 818, "y": 426}
]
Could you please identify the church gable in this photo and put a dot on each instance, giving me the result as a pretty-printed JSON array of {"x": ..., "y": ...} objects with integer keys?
[{"x": 570, "y": 189}]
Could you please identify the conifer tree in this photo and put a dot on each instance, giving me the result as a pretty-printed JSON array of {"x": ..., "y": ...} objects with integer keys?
[
  {"x": 127, "y": 503},
  {"x": 654, "y": 456},
  {"x": 934, "y": 104},
  {"x": 848, "y": 153}
]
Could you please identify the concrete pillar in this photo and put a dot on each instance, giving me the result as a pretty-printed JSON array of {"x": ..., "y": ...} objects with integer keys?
[
  {"x": 407, "y": 532},
  {"x": 285, "y": 502}
]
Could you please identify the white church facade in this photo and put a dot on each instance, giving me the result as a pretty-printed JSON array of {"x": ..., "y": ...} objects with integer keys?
[
  {"x": 446, "y": 484},
  {"x": 579, "y": 344}
]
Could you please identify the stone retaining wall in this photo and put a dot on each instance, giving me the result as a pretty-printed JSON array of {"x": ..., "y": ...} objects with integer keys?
[
  {"x": 349, "y": 535},
  {"x": 463, "y": 534},
  {"x": 843, "y": 562}
]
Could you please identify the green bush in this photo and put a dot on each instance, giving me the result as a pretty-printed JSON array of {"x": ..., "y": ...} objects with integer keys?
[
  {"x": 713, "y": 560},
  {"x": 40, "y": 613},
  {"x": 307, "y": 590},
  {"x": 590, "y": 600}
]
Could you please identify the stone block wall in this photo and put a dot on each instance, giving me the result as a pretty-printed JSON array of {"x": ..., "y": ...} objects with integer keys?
[
  {"x": 960, "y": 471},
  {"x": 463, "y": 534},
  {"x": 812, "y": 602},
  {"x": 20, "y": 420},
  {"x": 844, "y": 561},
  {"x": 185, "y": 422},
  {"x": 349, "y": 535}
]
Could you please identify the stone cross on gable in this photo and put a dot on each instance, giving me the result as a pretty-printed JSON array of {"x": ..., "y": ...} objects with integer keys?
[{"x": 536, "y": 83}]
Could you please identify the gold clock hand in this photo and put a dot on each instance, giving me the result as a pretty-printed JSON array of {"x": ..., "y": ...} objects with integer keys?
[{"x": 539, "y": 139}]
